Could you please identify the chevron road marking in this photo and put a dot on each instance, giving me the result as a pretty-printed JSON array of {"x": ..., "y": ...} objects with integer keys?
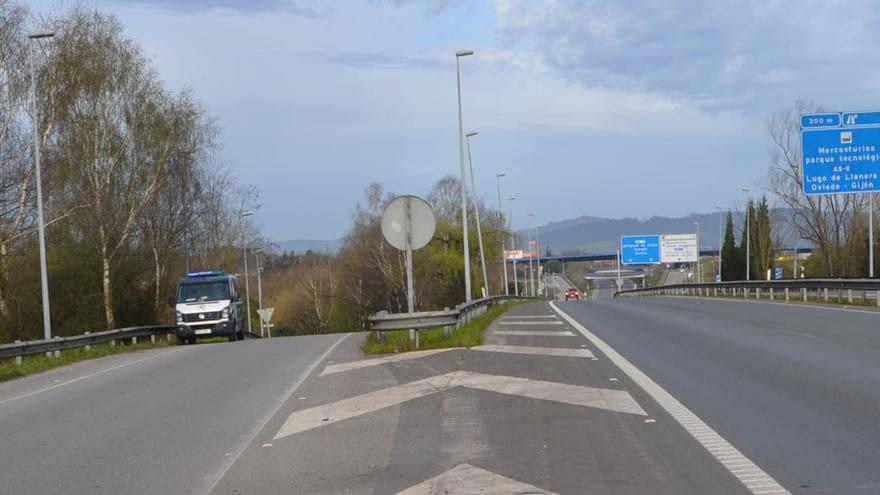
[
  {"x": 510, "y": 349},
  {"x": 607, "y": 399},
  {"x": 465, "y": 479}
]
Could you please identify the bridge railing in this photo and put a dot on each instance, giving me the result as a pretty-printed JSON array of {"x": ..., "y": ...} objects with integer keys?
[{"x": 842, "y": 290}]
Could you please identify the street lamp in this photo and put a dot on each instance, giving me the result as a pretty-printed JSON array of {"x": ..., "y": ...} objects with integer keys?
[
  {"x": 247, "y": 286},
  {"x": 510, "y": 201},
  {"x": 501, "y": 215},
  {"x": 257, "y": 253},
  {"x": 699, "y": 268},
  {"x": 41, "y": 226},
  {"x": 464, "y": 221},
  {"x": 720, "y": 241},
  {"x": 468, "y": 137},
  {"x": 748, "y": 233},
  {"x": 531, "y": 255}
]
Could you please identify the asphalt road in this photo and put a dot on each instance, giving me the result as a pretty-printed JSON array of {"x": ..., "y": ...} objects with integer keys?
[
  {"x": 779, "y": 392},
  {"x": 504, "y": 411},
  {"x": 795, "y": 388},
  {"x": 165, "y": 421}
]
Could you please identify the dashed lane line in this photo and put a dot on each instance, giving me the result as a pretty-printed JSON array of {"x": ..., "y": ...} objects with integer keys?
[{"x": 709, "y": 438}]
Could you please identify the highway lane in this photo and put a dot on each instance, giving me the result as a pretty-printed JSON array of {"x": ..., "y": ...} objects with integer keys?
[
  {"x": 162, "y": 421},
  {"x": 794, "y": 388},
  {"x": 534, "y": 412}
]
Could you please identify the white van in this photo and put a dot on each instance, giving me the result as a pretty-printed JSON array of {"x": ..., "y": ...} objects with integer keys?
[{"x": 206, "y": 305}]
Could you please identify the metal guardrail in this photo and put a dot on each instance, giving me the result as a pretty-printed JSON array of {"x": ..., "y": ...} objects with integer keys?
[
  {"x": 803, "y": 287},
  {"x": 447, "y": 318},
  {"x": 132, "y": 334}
]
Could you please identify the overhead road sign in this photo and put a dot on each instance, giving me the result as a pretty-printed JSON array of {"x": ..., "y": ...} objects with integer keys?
[
  {"x": 841, "y": 152},
  {"x": 640, "y": 249},
  {"x": 678, "y": 248}
]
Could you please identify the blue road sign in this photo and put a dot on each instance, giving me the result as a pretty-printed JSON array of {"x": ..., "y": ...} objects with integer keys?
[
  {"x": 844, "y": 158},
  {"x": 640, "y": 249},
  {"x": 777, "y": 274}
]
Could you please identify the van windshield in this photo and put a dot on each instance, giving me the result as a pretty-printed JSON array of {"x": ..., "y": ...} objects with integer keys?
[{"x": 206, "y": 291}]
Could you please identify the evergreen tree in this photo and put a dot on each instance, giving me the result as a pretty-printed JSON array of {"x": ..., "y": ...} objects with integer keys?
[
  {"x": 731, "y": 260},
  {"x": 747, "y": 251},
  {"x": 763, "y": 256}
]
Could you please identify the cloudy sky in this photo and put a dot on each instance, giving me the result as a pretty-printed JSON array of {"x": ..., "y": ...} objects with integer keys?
[{"x": 605, "y": 108}]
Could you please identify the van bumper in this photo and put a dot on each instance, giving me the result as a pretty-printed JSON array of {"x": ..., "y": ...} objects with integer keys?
[{"x": 221, "y": 329}]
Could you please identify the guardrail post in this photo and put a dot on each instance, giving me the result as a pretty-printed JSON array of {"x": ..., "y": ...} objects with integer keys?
[
  {"x": 804, "y": 293},
  {"x": 112, "y": 342},
  {"x": 849, "y": 296},
  {"x": 134, "y": 340},
  {"x": 153, "y": 338},
  {"x": 715, "y": 292},
  {"x": 57, "y": 354},
  {"x": 167, "y": 337},
  {"x": 88, "y": 347},
  {"x": 786, "y": 294},
  {"x": 18, "y": 358},
  {"x": 757, "y": 293},
  {"x": 825, "y": 291},
  {"x": 771, "y": 293}
]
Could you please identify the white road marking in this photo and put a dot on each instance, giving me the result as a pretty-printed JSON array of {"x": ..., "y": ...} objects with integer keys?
[
  {"x": 549, "y": 333},
  {"x": 86, "y": 377},
  {"x": 465, "y": 479},
  {"x": 364, "y": 363},
  {"x": 541, "y": 351},
  {"x": 527, "y": 317},
  {"x": 600, "y": 398},
  {"x": 534, "y": 323},
  {"x": 249, "y": 438},
  {"x": 676, "y": 409}
]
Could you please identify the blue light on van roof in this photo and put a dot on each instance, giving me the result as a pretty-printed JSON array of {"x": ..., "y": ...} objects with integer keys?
[{"x": 211, "y": 273}]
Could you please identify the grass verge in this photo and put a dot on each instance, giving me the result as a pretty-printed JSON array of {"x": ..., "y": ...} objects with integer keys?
[
  {"x": 39, "y": 362},
  {"x": 469, "y": 335}
]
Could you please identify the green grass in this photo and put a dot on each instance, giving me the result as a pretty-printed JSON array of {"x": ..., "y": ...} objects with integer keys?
[
  {"x": 469, "y": 335},
  {"x": 37, "y": 363}
]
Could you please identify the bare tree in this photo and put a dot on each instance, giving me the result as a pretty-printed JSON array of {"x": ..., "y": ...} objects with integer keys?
[{"x": 826, "y": 220}]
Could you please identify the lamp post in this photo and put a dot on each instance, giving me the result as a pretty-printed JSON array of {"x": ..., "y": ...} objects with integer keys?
[
  {"x": 257, "y": 253},
  {"x": 699, "y": 268},
  {"x": 512, "y": 243},
  {"x": 720, "y": 240},
  {"x": 468, "y": 137},
  {"x": 464, "y": 221},
  {"x": 531, "y": 255},
  {"x": 41, "y": 226},
  {"x": 501, "y": 215},
  {"x": 748, "y": 233},
  {"x": 247, "y": 287}
]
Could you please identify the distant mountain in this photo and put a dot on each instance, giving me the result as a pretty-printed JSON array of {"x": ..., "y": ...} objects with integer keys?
[
  {"x": 303, "y": 245},
  {"x": 593, "y": 234}
]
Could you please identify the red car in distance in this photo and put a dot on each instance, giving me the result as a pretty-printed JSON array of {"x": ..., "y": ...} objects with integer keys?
[{"x": 572, "y": 294}]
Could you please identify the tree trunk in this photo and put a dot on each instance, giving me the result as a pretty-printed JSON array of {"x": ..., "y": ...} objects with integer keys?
[
  {"x": 108, "y": 296},
  {"x": 158, "y": 275}
]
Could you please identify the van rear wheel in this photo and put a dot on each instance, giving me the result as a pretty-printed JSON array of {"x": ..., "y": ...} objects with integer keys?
[{"x": 233, "y": 337}]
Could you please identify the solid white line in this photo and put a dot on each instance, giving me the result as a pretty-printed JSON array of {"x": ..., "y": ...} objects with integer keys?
[
  {"x": 535, "y": 323},
  {"x": 85, "y": 377},
  {"x": 544, "y": 333},
  {"x": 213, "y": 481},
  {"x": 659, "y": 394},
  {"x": 538, "y": 351},
  {"x": 528, "y": 317}
]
